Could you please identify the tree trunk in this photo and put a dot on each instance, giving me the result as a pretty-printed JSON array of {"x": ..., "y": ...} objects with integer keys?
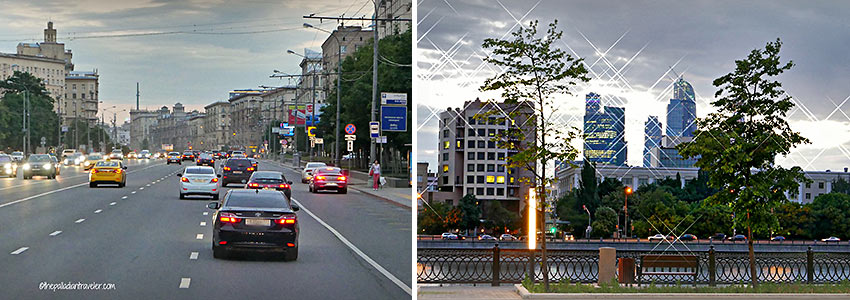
[
  {"x": 753, "y": 274},
  {"x": 542, "y": 219}
]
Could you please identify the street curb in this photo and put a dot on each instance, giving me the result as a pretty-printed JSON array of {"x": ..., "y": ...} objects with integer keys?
[
  {"x": 385, "y": 199},
  {"x": 525, "y": 294}
]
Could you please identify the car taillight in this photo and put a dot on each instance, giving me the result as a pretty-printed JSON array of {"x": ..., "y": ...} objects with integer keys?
[
  {"x": 250, "y": 169},
  {"x": 286, "y": 220},
  {"x": 226, "y": 168},
  {"x": 253, "y": 185},
  {"x": 284, "y": 186},
  {"x": 214, "y": 180},
  {"x": 341, "y": 178},
  {"x": 228, "y": 218},
  {"x": 94, "y": 171},
  {"x": 184, "y": 179},
  {"x": 320, "y": 177}
]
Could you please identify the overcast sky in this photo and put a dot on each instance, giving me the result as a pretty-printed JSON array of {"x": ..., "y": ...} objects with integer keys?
[
  {"x": 700, "y": 39},
  {"x": 194, "y": 69}
]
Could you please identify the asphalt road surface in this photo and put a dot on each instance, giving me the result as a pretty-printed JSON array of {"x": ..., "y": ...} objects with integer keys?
[{"x": 141, "y": 241}]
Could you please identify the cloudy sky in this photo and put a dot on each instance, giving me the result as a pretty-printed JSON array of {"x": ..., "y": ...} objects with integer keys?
[
  {"x": 631, "y": 45},
  {"x": 235, "y": 44}
]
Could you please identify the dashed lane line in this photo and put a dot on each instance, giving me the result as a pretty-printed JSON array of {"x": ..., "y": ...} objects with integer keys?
[
  {"x": 112, "y": 203},
  {"x": 125, "y": 197},
  {"x": 184, "y": 282},
  {"x": 193, "y": 255},
  {"x": 55, "y": 233},
  {"x": 203, "y": 224},
  {"x": 79, "y": 221},
  {"x": 199, "y": 236},
  {"x": 19, "y": 251},
  {"x": 98, "y": 211}
]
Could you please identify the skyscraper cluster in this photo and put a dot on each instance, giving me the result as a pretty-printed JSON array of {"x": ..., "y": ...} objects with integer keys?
[{"x": 604, "y": 132}]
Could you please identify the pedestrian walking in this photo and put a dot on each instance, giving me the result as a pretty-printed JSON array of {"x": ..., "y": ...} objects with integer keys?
[{"x": 375, "y": 172}]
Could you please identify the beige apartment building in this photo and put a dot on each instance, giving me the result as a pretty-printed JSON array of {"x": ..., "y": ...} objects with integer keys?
[
  {"x": 217, "y": 125},
  {"x": 350, "y": 39},
  {"x": 394, "y": 9},
  {"x": 81, "y": 96}
]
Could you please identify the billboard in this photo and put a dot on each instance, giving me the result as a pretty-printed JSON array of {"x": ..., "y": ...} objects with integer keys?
[{"x": 303, "y": 114}]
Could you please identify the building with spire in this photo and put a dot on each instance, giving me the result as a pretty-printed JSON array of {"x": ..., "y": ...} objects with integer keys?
[{"x": 682, "y": 110}]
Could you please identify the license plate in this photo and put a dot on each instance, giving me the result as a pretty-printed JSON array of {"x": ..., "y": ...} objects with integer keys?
[
  {"x": 198, "y": 180},
  {"x": 257, "y": 222},
  {"x": 237, "y": 172}
]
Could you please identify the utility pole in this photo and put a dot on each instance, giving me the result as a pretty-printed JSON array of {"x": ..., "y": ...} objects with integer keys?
[
  {"x": 372, "y": 146},
  {"x": 114, "y": 129},
  {"x": 137, "y": 96},
  {"x": 59, "y": 122},
  {"x": 313, "y": 117},
  {"x": 24, "y": 124},
  {"x": 76, "y": 127}
]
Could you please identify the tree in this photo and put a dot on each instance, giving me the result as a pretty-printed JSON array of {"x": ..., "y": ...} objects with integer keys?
[
  {"x": 40, "y": 108},
  {"x": 470, "y": 212},
  {"x": 610, "y": 185},
  {"x": 839, "y": 185},
  {"x": 438, "y": 218},
  {"x": 534, "y": 70},
  {"x": 604, "y": 223},
  {"x": 739, "y": 143},
  {"x": 831, "y": 216},
  {"x": 569, "y": 209},
  {"x": 499, "y": 218},
  {"x": 795, "y": 220},
  {"x": 587, "y": 192}
]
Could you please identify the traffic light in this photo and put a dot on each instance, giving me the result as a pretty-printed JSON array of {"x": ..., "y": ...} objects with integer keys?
[{"x": 553, "y": 230}]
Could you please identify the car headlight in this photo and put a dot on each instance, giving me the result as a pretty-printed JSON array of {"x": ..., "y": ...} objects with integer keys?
[
  {"x": 7, "y": 166},
  {"x": 26, "y": 166},
  {"x": 47, "y": 166}
]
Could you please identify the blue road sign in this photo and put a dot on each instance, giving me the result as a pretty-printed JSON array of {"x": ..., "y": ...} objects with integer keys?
[
  {"x": 374, "y": 131},
  {"x": 349, "y": 129},
  {"x": 393, "y": 118}
]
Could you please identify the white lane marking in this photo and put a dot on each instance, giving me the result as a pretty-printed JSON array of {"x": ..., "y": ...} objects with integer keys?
[
  {"x": 203, "y": 224},
  {"x": 184, "y": 282},
  {"x": 193, "y": 255},
  {"x": 55, "y": 233},
  {"x": 98, "y": 211},
  {"x": 19, "y": 251},
  {"x": 133, "y": 192},
  {"x": 125, "y": 197},
  {"x": 79, "y": 221},
  {"x": 147, "y": 185},
  {"x": 112, "y": 203},
  {"x": 362, "y": 255},
  {"x": 206, "y": 213},
  {"x": 200, "y": 236},
  {"x": 141, "y": 188}
]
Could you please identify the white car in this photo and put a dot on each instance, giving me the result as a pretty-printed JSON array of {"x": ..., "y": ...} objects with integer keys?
[
  {"x": 68, "y": 152},
  {"x": 116, "y": 154},
  {"x": 507, "y": 237},
  {"x": 831, "y": 239},
  {"x": 17, "y": 156},
  {"x": 307, "y": 173},
  {"x": 145, "y": 154},
  {"x": 658, "y": 237},
  {"x": 199, "y": 180}
]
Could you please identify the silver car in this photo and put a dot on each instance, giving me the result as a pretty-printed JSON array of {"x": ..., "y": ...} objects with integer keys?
[
  {"x": 307, "y": 173},
  {"x": 199, "y": 180}
]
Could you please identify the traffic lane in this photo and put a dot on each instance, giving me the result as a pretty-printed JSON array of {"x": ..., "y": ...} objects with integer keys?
[
  {"x": 30, "y": 221},
  {"x": 138, "y": 244},
  {"x": 12, "y": 189},
  {"x": 152, "y": 262},
  {"x": 379, "y": 229}
]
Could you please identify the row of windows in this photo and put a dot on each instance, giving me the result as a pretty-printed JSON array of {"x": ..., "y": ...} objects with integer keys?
[
  {"x": 481, "y": 167},
  {"x": 485, "y": 155},
  {"x": 489, "y": 191},
  {"x": 488, "y": 179},
  {"x": 489, "y": 121},
  {"x": 809, "y": 185}
]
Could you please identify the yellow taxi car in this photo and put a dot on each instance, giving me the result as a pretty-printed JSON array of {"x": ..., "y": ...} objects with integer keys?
[
  {"x": 90, "y": 160},
  {"x": 111, "y": 171}
]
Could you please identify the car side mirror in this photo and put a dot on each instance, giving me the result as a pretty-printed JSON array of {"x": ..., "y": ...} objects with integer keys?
[
  {"x": 289, "y": 182},
  {"x": 124, "y": 167},
  {"x": 179, "y": 174},
  {"x": 295, "y": 207},
  {"x": 218, "y": 175},
  {"x": 213, "y": 205}
]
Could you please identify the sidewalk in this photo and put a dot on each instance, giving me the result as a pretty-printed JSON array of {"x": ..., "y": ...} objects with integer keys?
[
  {"x": 466, "y": 291},
  {"x": 397, "y": 196}
]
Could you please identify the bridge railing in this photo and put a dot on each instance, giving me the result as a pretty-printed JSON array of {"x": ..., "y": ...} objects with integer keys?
[{"x": 496, "y": 266}]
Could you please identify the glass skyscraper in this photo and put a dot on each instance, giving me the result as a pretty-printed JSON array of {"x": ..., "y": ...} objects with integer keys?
[
  {"x": 604, "y": 132},
  {"x": 682, "y": 110},
  {"x": 652, "y": 139}
]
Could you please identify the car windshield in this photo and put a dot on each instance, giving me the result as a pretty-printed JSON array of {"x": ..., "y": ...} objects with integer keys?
[
  {"x": 145, "y": 151},
  {"x": 107, "y": 164},
  {"x": 200, "y": 171},
  {"x": 187, "y": 153},
  {"x": 268, "y": 200},
  {"x": 268, "y": 180},
  {"x": 314, "y": 165},
  {"x": 206, "y": 156},
  {"x": 95, "y": 157},
  {"x": 328, "y": 171},
  {"x": 116, "y": 151},
  {"x": 173, "y": 153},
  {"x": 39, "y": 158},
  {"x": 5, "y": 158},
  {"x": 235, "y": 162},
  {"x": 17, "y": 153}
]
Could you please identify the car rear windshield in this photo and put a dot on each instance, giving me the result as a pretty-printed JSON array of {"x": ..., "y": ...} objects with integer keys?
[
  {"x": 39, "y": 158},
  {"x": 116, "y": 151},
  {"x": 235, "y": 162},
  {"x": 200, "y": 171},
  {"x": 107, "y": 164},
  {"x": 328, "y": 171},
  {"x": 5, "y": 158},
  {"x": 267, "y": 200},
  {"x": 173, "y": 153},
  {"x": 314, "y": 165},
  {"x": 206, "y": 156}
]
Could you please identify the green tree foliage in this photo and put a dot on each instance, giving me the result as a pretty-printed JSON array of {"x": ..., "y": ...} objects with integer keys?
[
  {"x": 44, "y": 119},
  {"x": 604, "y": 223},
  {"x": 657, "y": 211},
  {"x": 394, "y": 75},
  {"x": 588, "y": 191},
  {"x": 831, "y": 216},
  {"x": 839, "y": 185},
  {"x": 568, "y": 208},
  {"x": 535, "y": 69},
  {"x": 747, "y": 133},
  {"x": 795, "y": 220},
  {"x": 610, "y": 185},
  {"x": 499, "y": 218},
  {"x": 470, "y": 212},
  {"x": 438, "y": 218}
]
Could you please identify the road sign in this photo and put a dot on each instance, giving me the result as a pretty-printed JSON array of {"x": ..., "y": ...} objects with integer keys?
[
  {"x": 286, "y": 130},
  {"x": 381, "y": 140},
  {"x": 310, "y": 131},
  {"x": 350, "y": 129},
  {"x": 64, "y": 128},
  {"x": 350, "y": 146},
  {"x": 394, "y": 99},
  {"x": 374, "y": 129},
  {"x": 350, "y": 137},
  {"x": 283, "y": 142},
  {"x": 319, "y": 141},
  {"x": 275, "y": 129},
  {"x": 394, "y": 118},
  {"x": 43, "y": 141}
]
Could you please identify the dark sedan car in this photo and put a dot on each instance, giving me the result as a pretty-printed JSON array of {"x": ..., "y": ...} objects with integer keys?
[
  {"x": 738, "y": 237},
  {"x": 188, "y": 155},
  {"x": 259, "y": 220},
  {"x": 236, "y": 170},
  {"x": 270, "y": 180},
  {"x": 39, "y": 164},
  {"x": 328, "y": 178},
  {"x": 205, "y": 159},
  {"x": 173, "y": 157}
]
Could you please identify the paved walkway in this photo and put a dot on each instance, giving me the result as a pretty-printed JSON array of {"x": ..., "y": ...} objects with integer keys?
[{"x": 466, "y": 291}]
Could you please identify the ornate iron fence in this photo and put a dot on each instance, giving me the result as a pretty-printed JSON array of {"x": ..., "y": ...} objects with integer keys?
[{"x": 513, "y": 265}]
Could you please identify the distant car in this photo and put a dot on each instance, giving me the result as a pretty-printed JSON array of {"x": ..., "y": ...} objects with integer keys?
[
  {"x": 486, "y": 237},
  {"x": 258, "y": 220},
  {"x": 328, "y": 178},
  {"x": 718, "y": 237},
  {"x": 657, "y": 237},
  {"x": 199, "y": 180},
  {"x": 39, "y": 164},
  {"x": 831, "y": 239},
  {"x": 270, "y": 180},
  {"x": 446, "y": 234},
  {"x": 205, "y": 159},
  {"x": 90, "y": 160},
  {"x": 188, "y": 155},
  {"x": 132, "y": 155},
  {"x": 452, "y": 236},
  {"x": 8, "y": 167},
  {"x": 108, "y": 171},
  {"x": 145, "y": 154},
  {"x": 507, "y": 237},
  {"x": 236, "y": 170},
  {"x": 307, "y": 172},
  {"x": 68, "y": 152},
  {"x": 17, "y": 156},
  {"x": 237, "y": 154},
  {"x": 738, "y": 237},
  {"x": 173, "y": 157},
  {"x": 688, "y": 237},
  {"x": 778, "y": 238},
  {"x": 73, "y": 159},
  {"x": 116, "y": 154}
]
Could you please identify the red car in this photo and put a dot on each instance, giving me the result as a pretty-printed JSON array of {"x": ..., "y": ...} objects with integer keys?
[{"x": 328, "y": 178}]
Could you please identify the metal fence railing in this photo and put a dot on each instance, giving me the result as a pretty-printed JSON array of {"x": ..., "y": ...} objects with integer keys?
[{"x": 497, "y": 266}]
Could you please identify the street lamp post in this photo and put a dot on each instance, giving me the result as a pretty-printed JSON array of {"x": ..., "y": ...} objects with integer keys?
[
  {"x": 338, "y": 89},
  {"x": 587, "y": 231},
  {"x": 627, "y": 192}
]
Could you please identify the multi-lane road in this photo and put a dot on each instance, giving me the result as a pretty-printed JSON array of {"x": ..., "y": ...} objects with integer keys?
[{"x": 141, "y": 241}]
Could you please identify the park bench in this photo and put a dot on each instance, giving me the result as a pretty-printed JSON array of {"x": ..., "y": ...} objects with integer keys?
[{"x": 676, "y": 265}]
